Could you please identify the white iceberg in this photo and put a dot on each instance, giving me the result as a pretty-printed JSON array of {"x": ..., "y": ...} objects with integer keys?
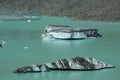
[{"x": 68, "y": 33}]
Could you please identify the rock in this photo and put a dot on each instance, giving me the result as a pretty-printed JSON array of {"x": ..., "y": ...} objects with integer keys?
[
  {"x": 68, "y": 33},
  {"x": 76, "y": 63}
]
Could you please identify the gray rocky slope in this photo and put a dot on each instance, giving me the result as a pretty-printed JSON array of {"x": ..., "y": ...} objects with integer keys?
[{"x": 98, "y": 10}]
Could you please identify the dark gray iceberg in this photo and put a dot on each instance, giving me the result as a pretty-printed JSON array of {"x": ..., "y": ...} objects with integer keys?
[
  {"x": 68, "y": 33},
  {"x": 76, "y": 63}
]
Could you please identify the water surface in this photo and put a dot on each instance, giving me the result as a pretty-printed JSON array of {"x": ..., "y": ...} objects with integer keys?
[{"x": 21, "y": 34}]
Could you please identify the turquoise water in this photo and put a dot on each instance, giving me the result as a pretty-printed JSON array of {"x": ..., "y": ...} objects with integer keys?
[{"x": 20, "y": 34}]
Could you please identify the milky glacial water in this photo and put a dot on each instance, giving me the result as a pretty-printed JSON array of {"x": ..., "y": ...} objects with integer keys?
[{"x": 24, "y": 46}]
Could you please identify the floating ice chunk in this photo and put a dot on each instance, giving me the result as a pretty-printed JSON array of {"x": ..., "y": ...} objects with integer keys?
[
  {"x": 76, "y": 63},
  {"x": 2, "y": 43},
  {"x": 26, "y": 47},
  {"x": 29, "y": 20},
  {"x": 66, "y": 32}
]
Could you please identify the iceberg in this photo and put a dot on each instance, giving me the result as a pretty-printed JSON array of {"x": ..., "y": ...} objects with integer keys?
[
  {"x": 68, "y": 33},
  {"x": 2, "y": 43},
  {"x": 76, "y": 63}
]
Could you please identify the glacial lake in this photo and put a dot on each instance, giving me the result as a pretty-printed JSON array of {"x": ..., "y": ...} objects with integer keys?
[{"x": 24, "y": 46}]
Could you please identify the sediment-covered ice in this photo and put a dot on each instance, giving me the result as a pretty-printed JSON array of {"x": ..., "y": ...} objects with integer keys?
[{"x": 76, "y": 63}]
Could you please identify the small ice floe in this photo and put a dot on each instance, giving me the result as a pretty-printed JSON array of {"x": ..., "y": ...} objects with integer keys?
[
  {"x": 26, "y": 47},
  {"x": 2, "y": 43},
  {"x": 69, "y": 33},
  {"x": 76, "y": 63},
  {"x": 29, "y": 20}
]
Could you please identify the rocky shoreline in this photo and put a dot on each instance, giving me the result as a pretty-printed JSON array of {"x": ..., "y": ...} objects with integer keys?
[
  {"x": 95, "y": 10},
  {"x": 18, "y": 18}
]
